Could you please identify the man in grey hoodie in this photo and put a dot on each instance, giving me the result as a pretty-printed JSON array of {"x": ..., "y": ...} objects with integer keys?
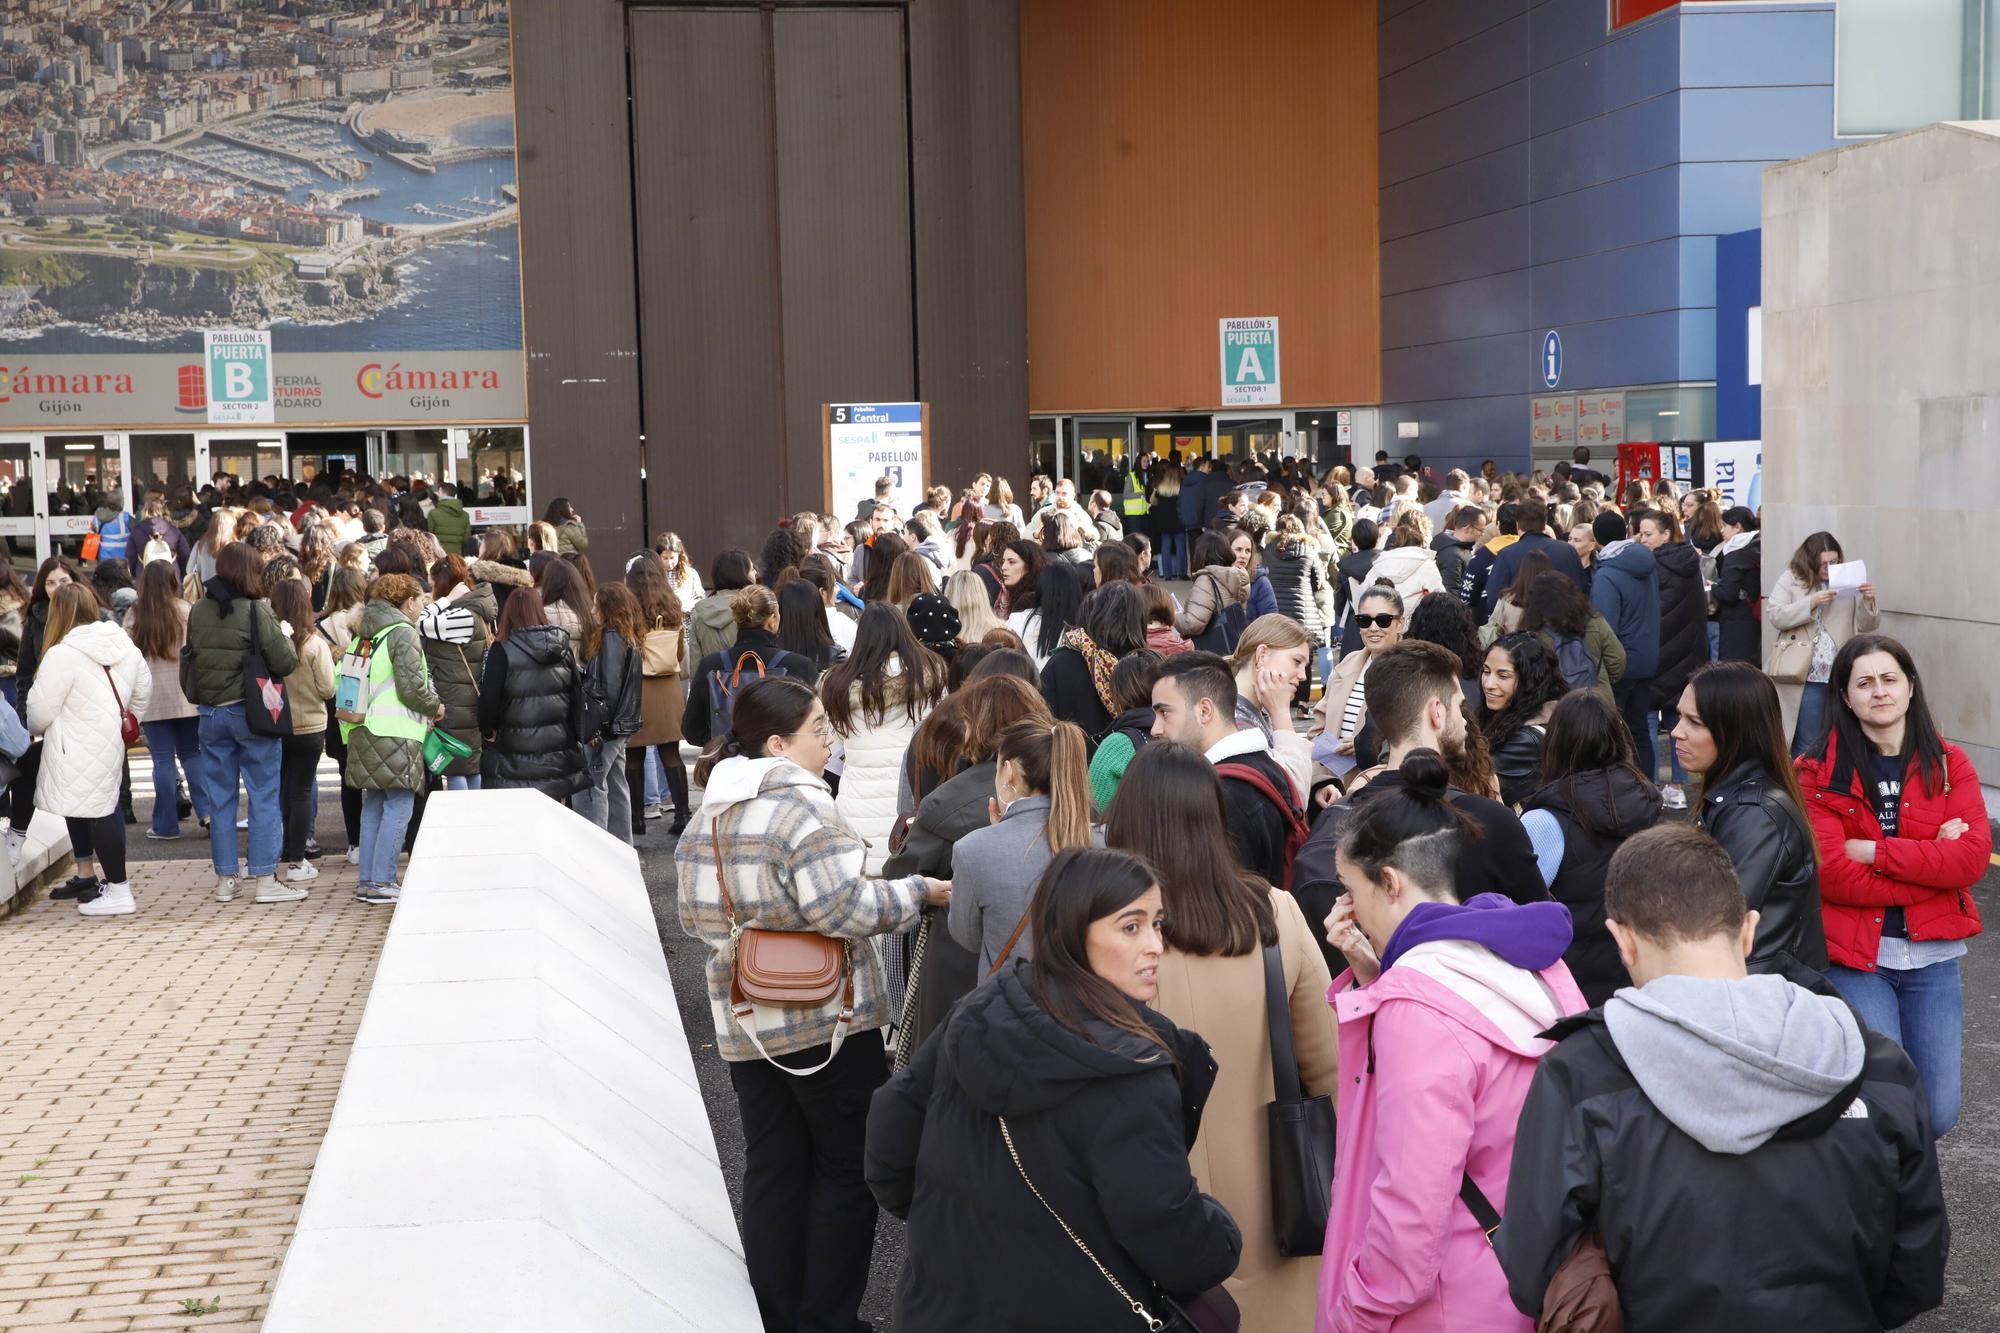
[{"x": 1745, "y": 1152}]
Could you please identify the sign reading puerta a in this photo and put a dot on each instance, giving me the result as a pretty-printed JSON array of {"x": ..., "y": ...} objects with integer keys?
[{"x": 337, "y": 174}]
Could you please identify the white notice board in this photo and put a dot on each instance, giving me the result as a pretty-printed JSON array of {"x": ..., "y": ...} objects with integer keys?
[{"x": 868, "y": 441}]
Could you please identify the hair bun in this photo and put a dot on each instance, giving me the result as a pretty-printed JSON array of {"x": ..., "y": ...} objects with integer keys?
[{"x": 1424, "y": 774}]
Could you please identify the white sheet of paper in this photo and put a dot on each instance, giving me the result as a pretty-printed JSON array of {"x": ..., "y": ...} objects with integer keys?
[{"x": 1847, "y": 579}]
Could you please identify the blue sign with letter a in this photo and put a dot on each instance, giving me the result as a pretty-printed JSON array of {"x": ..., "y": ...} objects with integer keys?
[{"x": 1552, "y": 359}]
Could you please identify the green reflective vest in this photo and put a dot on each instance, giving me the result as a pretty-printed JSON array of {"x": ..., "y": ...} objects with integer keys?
[
  {"x": 1133, "y": 502},
  {"x": 387, "y": 714}
]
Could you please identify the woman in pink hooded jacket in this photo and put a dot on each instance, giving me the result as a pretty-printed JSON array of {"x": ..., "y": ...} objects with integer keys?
[{"x": 1439, "y": 1018}]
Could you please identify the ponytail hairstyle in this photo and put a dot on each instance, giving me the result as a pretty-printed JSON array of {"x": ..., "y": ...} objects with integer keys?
[
  {"x": 1413, "y": 828},
  {"x": 1082, "y": 885},
  {"x": 1055, "y": 762},
  {"x": 771, "y": 706}
]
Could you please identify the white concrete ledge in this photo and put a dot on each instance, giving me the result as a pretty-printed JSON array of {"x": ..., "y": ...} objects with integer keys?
[
  {"x": 45, "y": 853},
  {"x": 520, "y": 1141}
]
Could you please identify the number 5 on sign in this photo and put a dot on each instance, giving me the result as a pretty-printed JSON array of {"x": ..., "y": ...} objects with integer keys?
[{"x": 239, "y": 378}]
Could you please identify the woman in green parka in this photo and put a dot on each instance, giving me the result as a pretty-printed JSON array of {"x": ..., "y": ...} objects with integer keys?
[{"x": 385, "y": 753}]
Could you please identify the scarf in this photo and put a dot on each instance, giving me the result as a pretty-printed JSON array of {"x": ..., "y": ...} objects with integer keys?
[{"x": 1099, "y": 662}]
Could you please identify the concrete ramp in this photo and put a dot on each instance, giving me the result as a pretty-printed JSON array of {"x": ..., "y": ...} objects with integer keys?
[{"x": 520, "y": 1141}]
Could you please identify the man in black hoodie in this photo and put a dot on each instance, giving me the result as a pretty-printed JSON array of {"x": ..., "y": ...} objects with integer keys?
[
  {"x": 1415, "y": 703},
  {"x": 1747, "y": 1154},
  {"x": 1458, "y": 537},
  {"x": 1194, "y": 703}
]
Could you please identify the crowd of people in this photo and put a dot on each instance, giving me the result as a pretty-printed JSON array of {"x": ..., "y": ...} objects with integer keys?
[
  {"x": 246, "y": 634},
  {"x": 1065, "y": 917}
]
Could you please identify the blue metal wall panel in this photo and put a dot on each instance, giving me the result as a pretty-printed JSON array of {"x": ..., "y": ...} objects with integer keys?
[
  {"x": 1723, "y": 48},
  {"x": 1462, "y": 71},
  {"x": 1739, "y": 285},
  {"x": 1426, "y": 29},
  {"x": 1624, "y": 212},
  {"x": 1636, "y": 279},
  {"x": 1633, "y": 67},
  {"x": 1489, "y": 184},
  {"x": 1620, "y": 143},
  {"x": 1642, "y": 146},
  {"x": 1755, "y": 124},
  {"x": 1452, "y": 254},
  {"x": 1475, "y": 308},
  {"x": 1471, "y": 129}
]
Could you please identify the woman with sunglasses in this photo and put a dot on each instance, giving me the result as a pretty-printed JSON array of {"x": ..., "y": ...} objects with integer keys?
[{"x": 1343, "y": 706}]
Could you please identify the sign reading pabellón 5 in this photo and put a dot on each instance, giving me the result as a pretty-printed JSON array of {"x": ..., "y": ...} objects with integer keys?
[
  {"x": 310, "y": 221},
  {"x": 868, "y": 441},
  {"x": 1250, "y": 362},
  {"x": 239, "y": 378}
]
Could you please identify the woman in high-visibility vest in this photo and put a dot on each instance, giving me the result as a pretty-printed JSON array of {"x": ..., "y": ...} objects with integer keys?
[{"x": 385, "y": 751}]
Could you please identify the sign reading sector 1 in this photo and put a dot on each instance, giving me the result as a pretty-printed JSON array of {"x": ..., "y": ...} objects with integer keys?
[
  {"x": 1250, "y": 362},
  {"x": 868, "y": 441},
  {"x": 333, "y": 181}
]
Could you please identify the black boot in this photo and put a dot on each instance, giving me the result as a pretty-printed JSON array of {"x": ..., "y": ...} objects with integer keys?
[
  {"x": 83, "y": 888},
  {"x": 677, "y": 784}
]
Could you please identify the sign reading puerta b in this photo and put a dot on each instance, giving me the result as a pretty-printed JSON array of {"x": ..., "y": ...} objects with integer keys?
[{"x": 301, "y": 215}]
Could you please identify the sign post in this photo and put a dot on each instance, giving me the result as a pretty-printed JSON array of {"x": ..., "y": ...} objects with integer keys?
[
  {"x": 239, "y": 378},
  {"x": 1250, "y": 362},
  {"x": 867, "y": 441}
]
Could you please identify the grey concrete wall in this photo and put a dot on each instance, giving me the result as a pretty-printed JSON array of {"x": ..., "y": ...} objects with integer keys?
[{"x": 1882, "y": 394}]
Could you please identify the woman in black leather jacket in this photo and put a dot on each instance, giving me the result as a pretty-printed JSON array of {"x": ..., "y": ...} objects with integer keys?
[
  {"x": 1731, "y": 732},
  {"x": 1519, "y": 684}
]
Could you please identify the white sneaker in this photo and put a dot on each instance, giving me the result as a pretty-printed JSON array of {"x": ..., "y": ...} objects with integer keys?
[
  {"x": 16, "y": 840},
  {"x": 270, "y": 891},
  {"x": 654, "y": 810},
  {"x": 354, "y": 856},
  {"x": 225, "y": 888},
  {"x": 304, "y": 870},
  {"x": 113, "y": 900},
  {"x": 1673, "y": 798},
  {"x": 242, "y": 824}
]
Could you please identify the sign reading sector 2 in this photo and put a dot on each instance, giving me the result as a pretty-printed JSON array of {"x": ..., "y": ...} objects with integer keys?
[{"x": 1250, "y": 362}]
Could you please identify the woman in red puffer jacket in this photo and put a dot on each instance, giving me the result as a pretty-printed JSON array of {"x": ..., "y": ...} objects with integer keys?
[{"x": 1902, "y": 834}]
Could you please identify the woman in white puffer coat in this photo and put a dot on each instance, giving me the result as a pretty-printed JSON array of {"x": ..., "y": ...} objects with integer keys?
[
  {"x": 876, "y": 699},
  {"x": 91, "y": 673}
]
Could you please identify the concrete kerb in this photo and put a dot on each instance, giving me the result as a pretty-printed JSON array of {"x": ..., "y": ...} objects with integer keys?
[{"x": 44, "y": 858}]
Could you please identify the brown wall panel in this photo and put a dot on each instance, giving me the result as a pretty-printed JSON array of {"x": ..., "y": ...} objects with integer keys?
[
  {"x": 576, "y": 243},
  {"x": 1190, "y": 160},
  {"x": 843, "y": 178},
  {"x": 708, "y": 273},
  {"x": 965, "y": 155}
]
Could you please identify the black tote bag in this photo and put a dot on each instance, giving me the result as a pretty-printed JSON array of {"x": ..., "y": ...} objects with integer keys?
[
  {"x": 1301, "y": 1132},
  {"x": 267, "y": 703}
]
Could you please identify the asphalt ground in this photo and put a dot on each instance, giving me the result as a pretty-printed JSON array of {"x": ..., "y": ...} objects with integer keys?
[{"x": 1969, "y": 1156}]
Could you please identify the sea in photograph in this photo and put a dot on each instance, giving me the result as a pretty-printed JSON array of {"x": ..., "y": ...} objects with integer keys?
[{"x": 462, "y": 294}]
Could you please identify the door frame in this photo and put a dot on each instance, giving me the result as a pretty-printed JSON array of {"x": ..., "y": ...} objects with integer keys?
[
  {"x": 204, "y": 451},
  {"x": 1220, "y": 419}
]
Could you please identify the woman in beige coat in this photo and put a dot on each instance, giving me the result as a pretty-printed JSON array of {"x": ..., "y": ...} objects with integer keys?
[
  {"x": 1805, "y": 609},
  {"x": 1169, "y": 810}
]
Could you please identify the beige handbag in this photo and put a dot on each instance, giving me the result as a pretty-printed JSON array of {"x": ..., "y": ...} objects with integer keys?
[{"x": 1791, "y": 656}]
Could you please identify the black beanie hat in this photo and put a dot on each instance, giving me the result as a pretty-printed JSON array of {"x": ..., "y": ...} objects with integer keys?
[
  {"x": 1608, "y": 527},
  {"x": 933, "y": 619}
]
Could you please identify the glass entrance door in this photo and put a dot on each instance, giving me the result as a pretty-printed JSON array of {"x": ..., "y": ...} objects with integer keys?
[
  {"x": 415, "y": 454},
  {"x": 1102, "y": 444},
  {"x": 83, "y": 474},
  {"x": 17, "y": 507},
  {"x": 247, "y": 457},
  {"x": 165, "y": 463},
  {"x": 311, "y": 455},
  {"x": 1237, "y": 438}
]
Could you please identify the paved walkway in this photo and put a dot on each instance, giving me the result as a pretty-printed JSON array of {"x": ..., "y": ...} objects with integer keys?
[{"x": 167, "y": 1080}]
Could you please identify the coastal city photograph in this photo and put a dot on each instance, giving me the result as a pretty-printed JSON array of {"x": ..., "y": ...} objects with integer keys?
[{"x": 325, "y": 169}]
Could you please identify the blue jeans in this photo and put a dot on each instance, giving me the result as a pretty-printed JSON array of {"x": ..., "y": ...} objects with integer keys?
[
  {"x": 1812, "y": 717},
  {"x": 1714, "y": 642},
  {"x": 385, "y": 818},
  {"x": 234, "y": 756},
  {"x": 1923, "y": 1010},
  {"x": 656, "y": 776},
  {"x": 1173, "y": 555},
  {"x": 176, "y": 739},
  {"x": 1666, "y": 719},
  {"x": 470, "y": 782}
]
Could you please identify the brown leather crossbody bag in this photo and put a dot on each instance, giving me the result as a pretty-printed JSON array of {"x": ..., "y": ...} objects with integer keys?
[{"x": 783, "y": 969}]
